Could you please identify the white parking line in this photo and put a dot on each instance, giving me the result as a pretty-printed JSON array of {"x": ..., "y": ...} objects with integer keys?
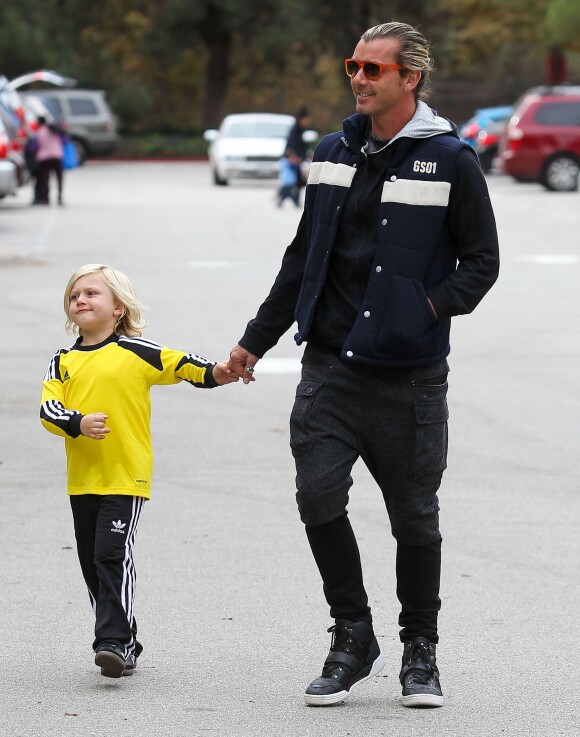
[
  {"x": 41, "y": 242},
  {"x": 279, "y": 366},
  {"x": 209, "y": 264},
  {"x": 551, "y": 259}
]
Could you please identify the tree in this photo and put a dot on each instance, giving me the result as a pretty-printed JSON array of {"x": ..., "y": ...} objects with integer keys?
[{"x": 563, "y": 24}]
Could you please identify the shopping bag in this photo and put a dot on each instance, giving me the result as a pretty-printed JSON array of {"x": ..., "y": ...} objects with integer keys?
[{"x": 70, "y": 158}]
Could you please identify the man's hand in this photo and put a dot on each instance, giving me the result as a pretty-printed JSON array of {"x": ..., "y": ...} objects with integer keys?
[
  {"x": 93, "y": 426},
  {"x": 222, "y": 375},
  {"x": 242, "y": 363}
]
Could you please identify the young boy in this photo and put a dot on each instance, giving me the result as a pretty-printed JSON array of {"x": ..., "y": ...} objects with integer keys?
[{"x": 96, "y": 395}]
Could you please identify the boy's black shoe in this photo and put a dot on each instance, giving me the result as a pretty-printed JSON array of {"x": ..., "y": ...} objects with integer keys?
[
  {"x": 354, "y": 657},
  {"x": 130, "y": 665},
  {"x": 110, "y": 657},
  {"x": 419, "y": 675}
]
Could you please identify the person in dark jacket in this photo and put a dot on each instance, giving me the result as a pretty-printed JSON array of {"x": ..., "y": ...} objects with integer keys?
[
  {"x": 296, "y": 143},
  {"x": 397, "y": 237}
]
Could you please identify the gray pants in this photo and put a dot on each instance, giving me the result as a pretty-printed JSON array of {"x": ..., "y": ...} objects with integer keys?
[{"x": 395, "y": 420}]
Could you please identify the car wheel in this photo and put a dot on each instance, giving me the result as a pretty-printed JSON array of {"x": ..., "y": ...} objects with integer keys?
[
  {"x": 561, "y": 174},
  {"x": 81, "y": 150},
  {"x": 220, "y": 181}
]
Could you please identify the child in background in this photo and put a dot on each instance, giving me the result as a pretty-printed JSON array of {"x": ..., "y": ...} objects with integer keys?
[
  {"x": 288, "y": 178},
  {"x": 96, "y": 395}
]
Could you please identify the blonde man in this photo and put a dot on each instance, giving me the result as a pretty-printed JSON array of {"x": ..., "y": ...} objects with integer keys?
[{"x": 397, "y": 237}]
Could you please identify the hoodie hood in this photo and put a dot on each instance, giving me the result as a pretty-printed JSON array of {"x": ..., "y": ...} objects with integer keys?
[{"x": 425, "y": 123}]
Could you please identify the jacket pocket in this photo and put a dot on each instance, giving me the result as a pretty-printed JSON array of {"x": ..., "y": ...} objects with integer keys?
[{"x": 407, "y": 329}]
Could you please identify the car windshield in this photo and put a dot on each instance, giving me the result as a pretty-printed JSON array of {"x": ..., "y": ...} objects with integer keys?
[{"x": 259, "y": 129}]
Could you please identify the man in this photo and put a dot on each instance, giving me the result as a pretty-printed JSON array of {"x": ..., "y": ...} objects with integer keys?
[
  {"x": 398, "y": 236},
  {"x": 296, "y": 143}
]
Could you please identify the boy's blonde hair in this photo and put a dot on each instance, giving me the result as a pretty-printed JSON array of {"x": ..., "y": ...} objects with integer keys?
[{"x": 132, "y": 321}]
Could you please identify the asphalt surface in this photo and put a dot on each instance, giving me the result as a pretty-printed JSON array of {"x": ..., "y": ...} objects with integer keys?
[{"x": 229, "y": 603}]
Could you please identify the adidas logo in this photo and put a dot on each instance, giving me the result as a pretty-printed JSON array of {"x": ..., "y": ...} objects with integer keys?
[
  {"x": 118, "y": 527},
  {"x": 66, "y": 377}
]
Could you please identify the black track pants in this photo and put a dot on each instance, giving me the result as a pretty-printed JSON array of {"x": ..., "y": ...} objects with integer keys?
[{"x": 105, "y": 528}]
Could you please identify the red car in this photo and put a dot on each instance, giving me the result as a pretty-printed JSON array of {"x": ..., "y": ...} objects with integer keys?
[{"x": 541, "y": 142}]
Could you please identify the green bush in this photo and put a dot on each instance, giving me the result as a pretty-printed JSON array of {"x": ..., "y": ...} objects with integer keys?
[{"x": 151, "y": 145}]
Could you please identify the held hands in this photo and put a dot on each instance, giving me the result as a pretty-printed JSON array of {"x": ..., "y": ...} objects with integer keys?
[
  {"x": 93, "y": 426},
  {"x": 242, "y": 364},
  {"x": 222, "y": 375}
]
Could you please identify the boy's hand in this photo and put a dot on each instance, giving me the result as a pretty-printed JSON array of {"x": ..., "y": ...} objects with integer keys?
[
  {"x": 221, "y": 374},
  {"x": 93, "y": 426}
]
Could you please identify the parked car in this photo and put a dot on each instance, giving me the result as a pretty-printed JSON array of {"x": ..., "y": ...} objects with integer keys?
[
  {"x": 8, "y": 172},
  {"x": 483, "y": 132},
  {"x": 249, "y": 145},
  {"x": 11, "y": 95},
  {"x": 88, "y": 118},
  {"x": 541, "y": 142},
  {"x": 19, "y": 120},
  {"x": 36, "y": 106},
  {"x": 17, "y": 138}
]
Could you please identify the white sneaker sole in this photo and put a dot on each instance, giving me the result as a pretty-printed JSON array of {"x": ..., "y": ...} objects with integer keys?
[
  {"x": 422, "y": 699},
  {"x": 336, "y": 698}
]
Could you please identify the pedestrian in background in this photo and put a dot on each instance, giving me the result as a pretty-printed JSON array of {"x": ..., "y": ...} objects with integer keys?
[
  {"x": 96, "y": 395},
  {"x": 288, "y": 178},
  {"x": 296, "y": 143},
  {"x": 397, "y": 237},
  {"x": 49, "y": 150}
]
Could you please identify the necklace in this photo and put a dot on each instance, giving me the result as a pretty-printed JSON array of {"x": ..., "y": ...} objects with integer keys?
[{"x": 377, "y": 141}]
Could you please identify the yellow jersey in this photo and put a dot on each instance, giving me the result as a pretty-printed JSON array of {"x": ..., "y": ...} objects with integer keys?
[{"x": 113, "y": 377}]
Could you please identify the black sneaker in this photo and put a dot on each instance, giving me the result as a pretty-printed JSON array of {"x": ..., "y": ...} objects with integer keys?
[
  {"x": 110, "y": 657},
  {"x": 354, "y": 657},
  {"x": 419, "y": 675},
  {"x": 130, "y": 665}
]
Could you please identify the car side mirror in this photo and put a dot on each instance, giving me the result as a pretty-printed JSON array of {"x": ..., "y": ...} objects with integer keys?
[
  {"x": 210, "y": 135},
  {"x": 310, "y": 136}
]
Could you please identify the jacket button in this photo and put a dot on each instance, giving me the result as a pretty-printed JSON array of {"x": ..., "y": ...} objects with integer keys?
[
  {"x": 384, "y": 222},
  {"x": 308, "y": 390},
  {"x": 393, "y": 178},
  {"x": 350, "y": 354},
  {"x": 366, "y": 313},
  {"x": 379, "y": 269}
]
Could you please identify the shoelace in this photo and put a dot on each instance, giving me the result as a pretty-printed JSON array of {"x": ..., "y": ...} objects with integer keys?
[
  {"x": 342, "y": 639},
  {"x": 422, "y": 677}
]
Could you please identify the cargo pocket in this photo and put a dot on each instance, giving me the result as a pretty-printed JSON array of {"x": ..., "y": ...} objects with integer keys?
[
  {"x": 300, "y": 425},
  {"x": 431, "y": 438}
]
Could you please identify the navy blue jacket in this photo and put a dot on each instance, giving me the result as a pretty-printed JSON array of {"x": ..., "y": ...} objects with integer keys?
[{"x": 416, "y": 254}]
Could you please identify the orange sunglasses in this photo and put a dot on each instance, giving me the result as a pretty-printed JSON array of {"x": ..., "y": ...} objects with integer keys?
[{"x": 372, "y": 70}]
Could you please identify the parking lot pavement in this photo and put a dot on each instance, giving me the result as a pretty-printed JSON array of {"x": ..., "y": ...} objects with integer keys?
[{"x": 229, "y": 605}]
